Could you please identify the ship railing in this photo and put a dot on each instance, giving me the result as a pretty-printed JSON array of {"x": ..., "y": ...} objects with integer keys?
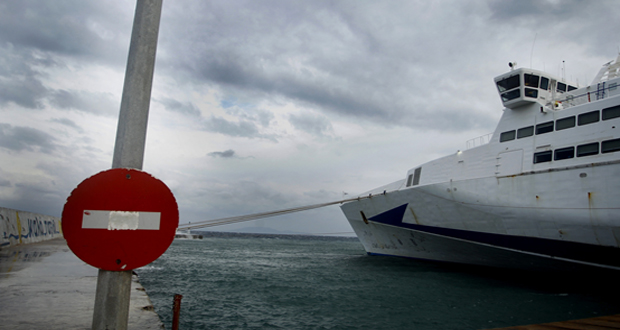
[
  {"x": 476, "y": 142},
  {"x": 589, "y": 94}
]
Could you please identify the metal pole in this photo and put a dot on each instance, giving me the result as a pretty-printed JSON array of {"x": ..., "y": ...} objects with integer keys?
[
  {"x": 133, "y": 117},
  {"x": 176, "y": 311},
  {"x": 114, "y": 288}
]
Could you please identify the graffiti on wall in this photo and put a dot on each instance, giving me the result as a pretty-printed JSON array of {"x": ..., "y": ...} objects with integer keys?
[
  {"x": 29, "y": 229},
  {"x": 37, "y": 227}
]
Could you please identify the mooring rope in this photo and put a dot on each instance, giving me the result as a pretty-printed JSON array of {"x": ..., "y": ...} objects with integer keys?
[{"x": 256, "y": 216}]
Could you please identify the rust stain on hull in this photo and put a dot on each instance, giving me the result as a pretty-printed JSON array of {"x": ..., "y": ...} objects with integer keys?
[{"x": 415, "y": 217}]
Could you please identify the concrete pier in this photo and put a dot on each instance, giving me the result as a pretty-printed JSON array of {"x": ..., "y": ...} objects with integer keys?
[{"x": 45, "y": 286}]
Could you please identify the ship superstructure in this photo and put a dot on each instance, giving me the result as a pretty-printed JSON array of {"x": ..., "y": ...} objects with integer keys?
[{"x": 543, "y": 192}]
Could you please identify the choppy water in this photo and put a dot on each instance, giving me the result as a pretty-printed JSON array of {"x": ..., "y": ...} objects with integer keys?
[{"x": 289, "y": 283}]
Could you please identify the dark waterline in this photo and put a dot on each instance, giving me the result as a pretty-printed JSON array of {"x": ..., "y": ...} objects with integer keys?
[{"x": 291, "y": 283}]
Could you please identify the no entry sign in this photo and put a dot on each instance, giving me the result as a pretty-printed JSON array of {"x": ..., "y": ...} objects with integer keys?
[{"x": 120, "y": 219}]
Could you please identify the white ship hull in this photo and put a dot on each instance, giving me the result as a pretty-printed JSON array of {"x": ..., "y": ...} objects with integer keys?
[
  {"x": 478, "y": 222},
  {"x": 514, "y": 202}
]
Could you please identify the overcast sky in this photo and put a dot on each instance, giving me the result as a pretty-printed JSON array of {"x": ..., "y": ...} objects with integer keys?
[{"x": 265, "y": 105}]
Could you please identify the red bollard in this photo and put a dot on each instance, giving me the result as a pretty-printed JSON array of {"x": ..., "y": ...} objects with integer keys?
[{"x": 176, "y": 311}]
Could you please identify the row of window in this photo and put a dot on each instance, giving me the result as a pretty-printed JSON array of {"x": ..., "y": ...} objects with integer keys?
[
  {"x": 531, "y": 80},
  {"x": 583, "y": 150},
  {"x": 561, "y": 124}
]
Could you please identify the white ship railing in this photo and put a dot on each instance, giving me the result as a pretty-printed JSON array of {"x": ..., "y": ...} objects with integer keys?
[
  {"x": 476, "y": 142},
  {"x": 589, "y": 94}
]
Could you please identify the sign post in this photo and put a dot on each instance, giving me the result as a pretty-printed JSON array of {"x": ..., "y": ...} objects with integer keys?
[{"x": 92, "y": 209}]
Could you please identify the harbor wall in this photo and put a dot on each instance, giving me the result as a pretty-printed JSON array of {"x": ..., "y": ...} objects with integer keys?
[{"x": 21, "y": 227}]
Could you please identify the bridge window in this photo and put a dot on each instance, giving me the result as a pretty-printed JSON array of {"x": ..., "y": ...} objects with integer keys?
[
  {"x": 588, "y": 118},
  {"x": 587, "y": 149},
  {"x": 565, "y": 123},
  {"x": 529, "y": 92},
  {"x": 511, "y": 95},
  {"x": 531, "y": 80},
  {"x": 507, "y": 136},
  {"x": 561, "y": 87},
  {"x": 544, "y": 83},
  {"x": 564, "y": 153},
  {"x": 610, "y": 146},
  {"x": 508, "y": 83},
  {"x": 542, "y": 157},
  {"x": 544, "y": 128},
  {"x": 525, "y": 132},
  {"x": 613, "y": 112}
]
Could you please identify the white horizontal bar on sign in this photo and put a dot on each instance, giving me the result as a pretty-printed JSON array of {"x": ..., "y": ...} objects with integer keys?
[{"x": 120, "y": 220}]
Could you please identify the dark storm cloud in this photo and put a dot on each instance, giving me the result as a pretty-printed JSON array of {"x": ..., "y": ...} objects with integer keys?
[
  {"x": 550, "y": 10},
  {"x": 73, "y": 28},
  {"x": 223, "y": 154},
  {"x": 20, "y": 138},
  {"x": 37, "y": 35},
  {"x": 355, "y": 59},
  {"x": 20, "y": 82},
  {"x": 274, "y": 49},
  {"x": 102, "y": 104},
  {"x": 40, "y": 197},
  {"x": 575, "y": 20}
]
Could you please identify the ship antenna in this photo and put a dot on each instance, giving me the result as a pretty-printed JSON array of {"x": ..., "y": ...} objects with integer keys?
[
  {"x": 564, "y": 70},
  {"x": 532, "y": 52}
]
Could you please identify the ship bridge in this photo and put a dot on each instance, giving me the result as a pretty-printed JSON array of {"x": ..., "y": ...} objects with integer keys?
[{"x": 526, "y": 86}]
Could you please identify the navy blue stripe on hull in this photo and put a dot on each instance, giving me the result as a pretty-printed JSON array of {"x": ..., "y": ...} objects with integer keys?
[{"x": 568, "y": 250}]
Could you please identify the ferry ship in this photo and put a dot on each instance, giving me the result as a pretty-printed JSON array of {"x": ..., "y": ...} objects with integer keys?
[{"x": 543, "y": 190}]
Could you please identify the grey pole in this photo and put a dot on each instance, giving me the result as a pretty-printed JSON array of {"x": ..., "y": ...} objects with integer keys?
[
  {"x": 132, "y": 120},
  {"x": 114, "y": 288}
]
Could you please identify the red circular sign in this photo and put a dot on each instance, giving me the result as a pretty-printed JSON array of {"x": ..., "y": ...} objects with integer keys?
[{"x": 120, "y": 219}]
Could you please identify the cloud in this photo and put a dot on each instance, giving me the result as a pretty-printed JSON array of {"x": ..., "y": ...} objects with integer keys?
[
  {"x": 574, "y": 20},
  {"x": 223, "y": 154},
  {"x": 242, "y": 128},
  {"x": 20, "y": 81},
  {"x": 20, "y": 138},
  {"x": 318, "y": 126},
  {"x": 334, "y": 83},
  {"x": 185, "y": 108},
  {"x": 248, "y": 112},
  {"x": 364, "y": 62},
  {"x": 67, "y": 122},
  {"x": 36, "y": 37},
  {"x": 101, "y": 104},
  {"x": 82, "y": 29}
]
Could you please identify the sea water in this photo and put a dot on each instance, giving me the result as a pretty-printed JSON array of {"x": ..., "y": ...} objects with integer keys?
[{"x": 293, "y": 282}]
